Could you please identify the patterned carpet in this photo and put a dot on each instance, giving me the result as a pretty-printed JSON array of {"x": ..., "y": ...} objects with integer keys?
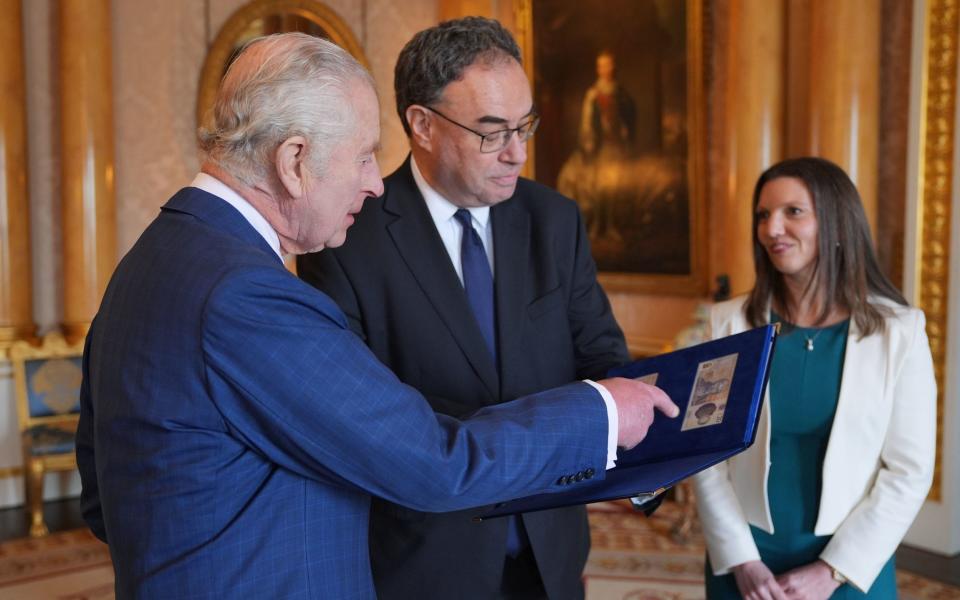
[
  {"x": 71, "y": 565},
  {"x": 633, "y": 558}
]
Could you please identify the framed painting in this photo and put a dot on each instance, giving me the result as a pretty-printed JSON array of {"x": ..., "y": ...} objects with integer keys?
[{"x": 619, "y": 87}]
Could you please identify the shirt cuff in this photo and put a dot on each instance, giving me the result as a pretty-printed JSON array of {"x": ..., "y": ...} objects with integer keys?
[{"x": 613, "y": 422}]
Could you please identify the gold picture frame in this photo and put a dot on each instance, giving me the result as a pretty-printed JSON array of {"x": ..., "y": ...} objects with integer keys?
[{"x": 648, "y": 230}]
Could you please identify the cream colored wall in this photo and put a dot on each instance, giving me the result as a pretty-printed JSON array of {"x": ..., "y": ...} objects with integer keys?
[{"x": 158, "y": 50}]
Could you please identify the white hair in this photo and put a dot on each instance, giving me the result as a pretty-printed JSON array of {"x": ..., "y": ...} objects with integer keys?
[{"x": 280, "y": 86}]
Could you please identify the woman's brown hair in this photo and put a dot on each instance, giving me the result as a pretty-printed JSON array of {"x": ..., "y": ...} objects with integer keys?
[{"x": 846, "y": 270}]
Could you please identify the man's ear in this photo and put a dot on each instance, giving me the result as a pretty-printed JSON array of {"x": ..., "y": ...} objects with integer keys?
[
  {"x": 421, "y": 126},
  {"x": 289, "y": 163}
]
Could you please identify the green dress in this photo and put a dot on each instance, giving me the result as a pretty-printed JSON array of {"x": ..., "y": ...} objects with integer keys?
[{"x": 804, "y": 388}]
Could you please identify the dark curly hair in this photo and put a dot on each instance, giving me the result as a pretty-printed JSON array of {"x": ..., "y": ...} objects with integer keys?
[{"x": 439, "y": 55}]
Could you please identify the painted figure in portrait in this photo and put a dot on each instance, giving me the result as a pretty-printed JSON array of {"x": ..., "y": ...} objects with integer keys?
[{"x": 614, "y": 104}]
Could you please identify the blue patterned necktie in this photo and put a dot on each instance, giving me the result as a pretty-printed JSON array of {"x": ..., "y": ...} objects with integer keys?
[
  {"x": 477, "y": 280},
  {"x": 478, "y": 283}
]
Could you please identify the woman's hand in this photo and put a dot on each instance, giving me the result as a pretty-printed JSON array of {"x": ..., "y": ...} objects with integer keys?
[
  {"x": 812, "y": 581},
  {"x": 756, "y": 582}
]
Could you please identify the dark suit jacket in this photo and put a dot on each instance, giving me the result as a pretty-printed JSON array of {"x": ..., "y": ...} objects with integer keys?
[
  {"x": 233, "y": 429},
  {"x": 398, "y": 287}
]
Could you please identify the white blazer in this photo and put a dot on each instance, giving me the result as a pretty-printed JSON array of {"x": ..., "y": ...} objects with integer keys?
[{"x": 878, "y": 465}]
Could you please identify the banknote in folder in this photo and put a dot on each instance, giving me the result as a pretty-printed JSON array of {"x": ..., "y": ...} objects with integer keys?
[{"x": 719, "y": 387}]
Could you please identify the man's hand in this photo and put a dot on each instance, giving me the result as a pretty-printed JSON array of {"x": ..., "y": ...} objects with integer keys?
[
  {"x": 635, "y": 403},
  {"x": 812, "y": 581},
  {"x": 756, "y": 582}
]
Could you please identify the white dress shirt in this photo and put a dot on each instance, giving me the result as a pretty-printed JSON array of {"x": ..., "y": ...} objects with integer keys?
[{"x": 451, "y": 233}]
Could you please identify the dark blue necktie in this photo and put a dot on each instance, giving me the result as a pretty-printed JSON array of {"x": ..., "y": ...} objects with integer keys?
[
  {"x": 477, "y": 280},
  {"x": 478, "y": 283}
]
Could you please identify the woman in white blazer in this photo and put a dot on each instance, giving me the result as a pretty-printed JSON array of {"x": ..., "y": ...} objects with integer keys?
[{"x": 844, "y": 452}]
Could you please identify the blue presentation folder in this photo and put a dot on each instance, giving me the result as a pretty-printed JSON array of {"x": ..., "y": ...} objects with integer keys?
[{"x": 670, "y": 454}]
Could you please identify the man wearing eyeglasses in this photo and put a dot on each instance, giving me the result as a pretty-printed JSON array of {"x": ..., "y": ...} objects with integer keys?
[{"x": 474, "y": 286}]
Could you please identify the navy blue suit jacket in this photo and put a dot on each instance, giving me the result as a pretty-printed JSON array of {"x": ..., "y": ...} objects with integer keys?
[
  {"x": 395, "y": 281},
  {"x": 233, "y": 429}
]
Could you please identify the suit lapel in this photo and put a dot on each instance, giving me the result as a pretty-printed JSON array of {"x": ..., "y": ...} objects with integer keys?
[
  {"x": 422, "y": 250},
  {"x": 511, "y": 247}
]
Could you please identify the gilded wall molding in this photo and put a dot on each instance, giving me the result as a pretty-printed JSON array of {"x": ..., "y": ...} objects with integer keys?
[
  {"x": 937, "y": 134},
  {"x": 237, "y": 28}
]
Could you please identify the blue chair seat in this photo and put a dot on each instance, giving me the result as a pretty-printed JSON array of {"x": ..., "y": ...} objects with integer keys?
[{"x": 44, "y": 440}]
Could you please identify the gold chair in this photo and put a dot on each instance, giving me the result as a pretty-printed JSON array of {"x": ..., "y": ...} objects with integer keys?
[{"x": 47, "y": 381}]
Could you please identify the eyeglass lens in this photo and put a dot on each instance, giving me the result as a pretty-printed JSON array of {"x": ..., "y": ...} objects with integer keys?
[{"x": 498, "y": 140}]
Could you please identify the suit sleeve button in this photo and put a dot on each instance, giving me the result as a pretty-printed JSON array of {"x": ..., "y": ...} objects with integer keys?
[
  {"x": 589, "y": 473},
  {"x": 579, "y": 476}
]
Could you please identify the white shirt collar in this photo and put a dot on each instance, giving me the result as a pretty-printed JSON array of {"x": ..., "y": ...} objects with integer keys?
[
  {"x": 440, "y": 208},
  {"x": 212, "y": 185}
]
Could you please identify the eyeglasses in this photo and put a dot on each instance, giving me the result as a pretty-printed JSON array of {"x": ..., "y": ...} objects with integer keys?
[{"x": 496, "y": 141}]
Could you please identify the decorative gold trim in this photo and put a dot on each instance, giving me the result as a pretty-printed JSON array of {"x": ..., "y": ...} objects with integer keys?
[
  {"x": 694, "y": 284},
  {"x": 224, "y": 44},
  {"x": 6, "y": 472},
  {"x": 75, "y": 331},
  {"x": 9, "y": 335},
  {"x": 937, "y": 132}
]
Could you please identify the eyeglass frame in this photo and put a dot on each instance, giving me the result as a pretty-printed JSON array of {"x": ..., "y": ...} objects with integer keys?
[{"x": 533, "y": 123}]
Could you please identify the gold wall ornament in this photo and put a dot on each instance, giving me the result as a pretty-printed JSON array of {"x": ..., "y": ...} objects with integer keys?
[
  {"x": 263, "y": 17},
  {"x": 938, "y": 98}
]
